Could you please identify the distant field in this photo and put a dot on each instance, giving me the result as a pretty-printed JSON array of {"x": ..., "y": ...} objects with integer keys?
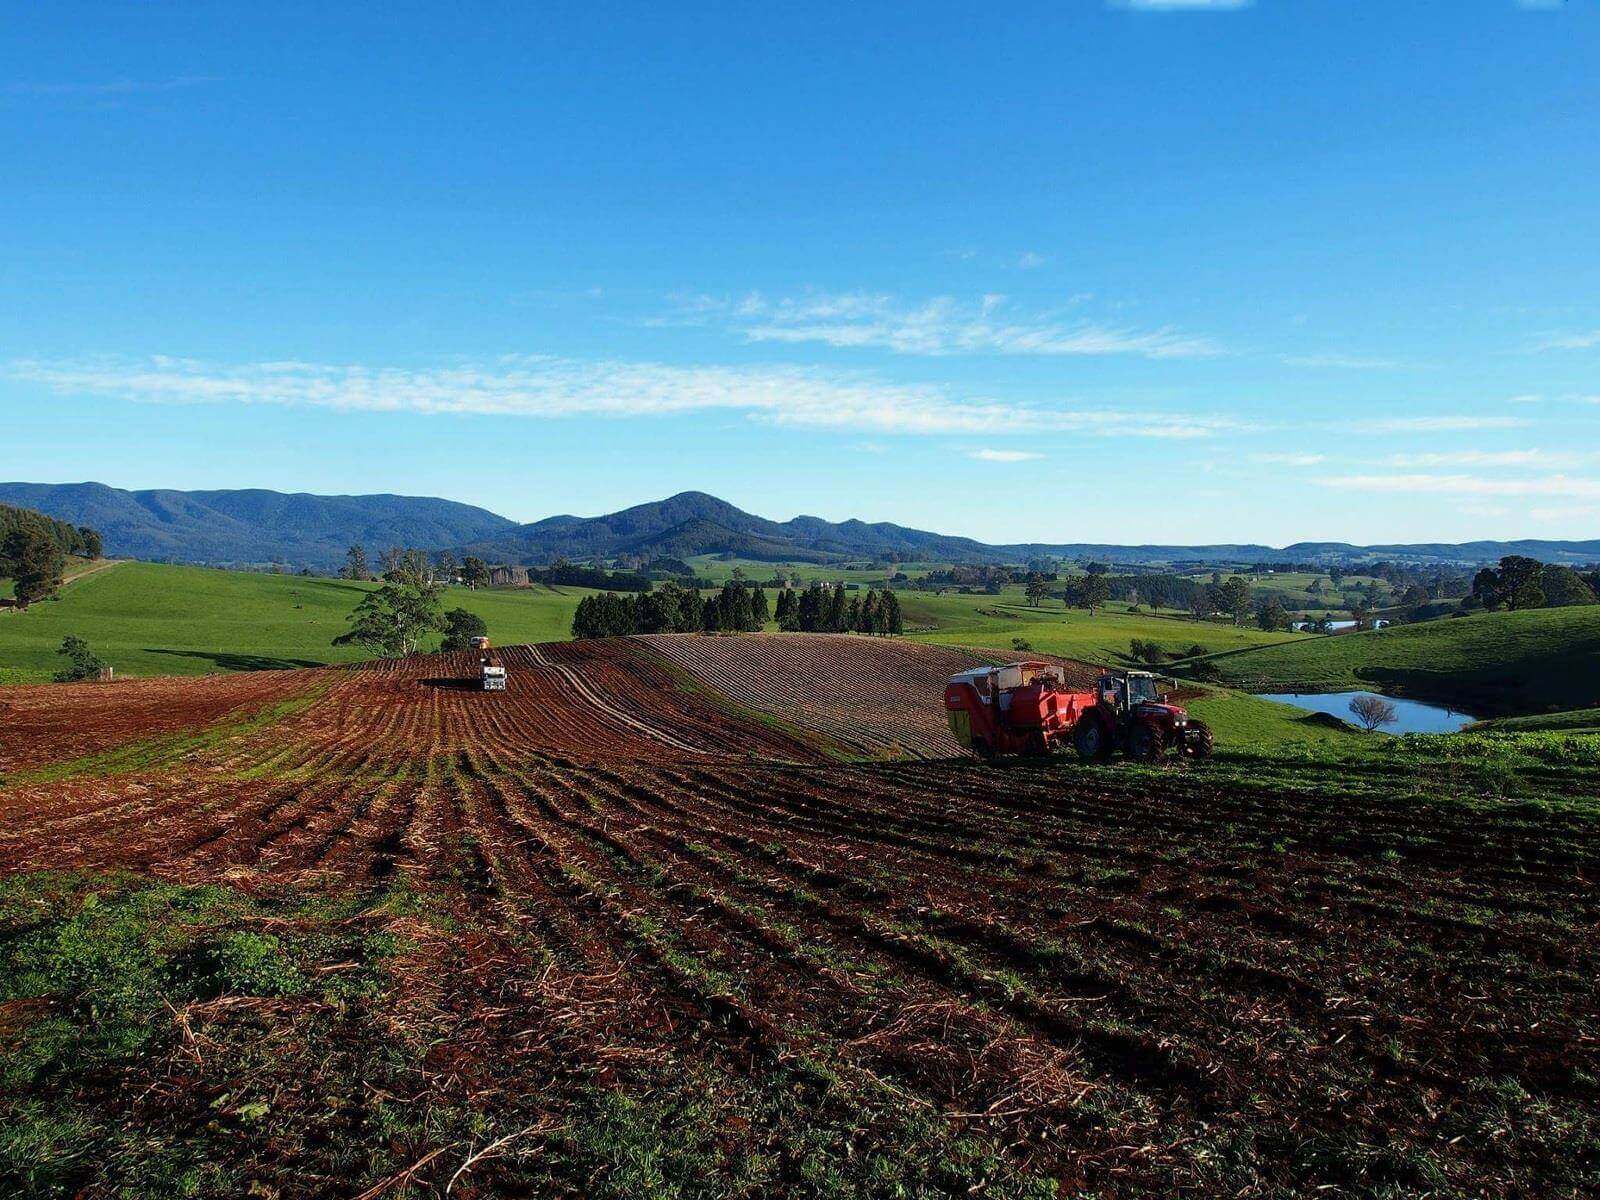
[
  {"x": 993, "y": 621},
  {"x": 1491, "y": 663},
  {"x": 154, "y": 619},
  {"x": 1292, "y": 588},
  {"x": 720, "y": 570}
]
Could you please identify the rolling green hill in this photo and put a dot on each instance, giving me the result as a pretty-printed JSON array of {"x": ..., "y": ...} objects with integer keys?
[
  {"x": 1491, "y": 663},
  {"x": 152, "y": 619},
  {"x": 1580, "y": 720},
  {"x": 994, "y": 621}
]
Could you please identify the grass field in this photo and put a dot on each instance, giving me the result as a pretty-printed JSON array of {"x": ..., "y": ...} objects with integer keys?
[
  {"x": 1292, "y": 588},
  {"x": 720, "y": 570},
  {"x": 1489, "y": 663},
  {"x": 154, "y": 619},
  {"x": 994, "y": 621}
]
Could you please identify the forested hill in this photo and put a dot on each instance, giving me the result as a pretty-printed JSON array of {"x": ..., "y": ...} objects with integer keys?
[
  {"x": 696, "y": 523},
  {"x": 254, "y": 526}
]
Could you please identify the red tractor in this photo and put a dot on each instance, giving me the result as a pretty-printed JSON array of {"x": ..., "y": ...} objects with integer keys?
[
  {"x": 1024, "y": 708},
  {"x": 1130, "y": 714}
]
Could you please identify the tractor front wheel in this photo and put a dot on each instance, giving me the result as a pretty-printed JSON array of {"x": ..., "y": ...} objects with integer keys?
[
  {"x": 1091, "y": 741},
  {"x": 1200, "y": 741},
  {"x": 1146, "y": 744}
]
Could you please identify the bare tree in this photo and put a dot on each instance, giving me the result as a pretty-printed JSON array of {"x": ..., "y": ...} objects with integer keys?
[{"x": 1373, "y": 711}]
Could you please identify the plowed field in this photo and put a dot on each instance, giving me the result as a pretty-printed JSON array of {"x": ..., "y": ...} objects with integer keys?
[
  {"x": 604, "y": 935},
  {"x": 868, "y": 696}
]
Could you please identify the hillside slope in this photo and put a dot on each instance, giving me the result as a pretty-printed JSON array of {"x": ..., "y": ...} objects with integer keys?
[
  {"x": 1489, "y": 663},
  {"x": 254, "y": 525},
  {"x": 155, "y": 619}
]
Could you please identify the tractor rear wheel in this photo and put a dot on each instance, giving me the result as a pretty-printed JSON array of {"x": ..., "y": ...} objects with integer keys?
[
  {"x": 1146, "y": 744},
  {"x": 1201, "y": 742},
  {"x": 1092, "y": 741}
]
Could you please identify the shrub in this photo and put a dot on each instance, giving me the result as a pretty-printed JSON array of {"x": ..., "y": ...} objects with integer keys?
[{"x": 82, "y": 662}]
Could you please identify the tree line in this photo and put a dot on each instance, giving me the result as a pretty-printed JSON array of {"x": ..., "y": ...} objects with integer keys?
[
  {"x": 1521, "y": 582},
  {"x": 826, "y": 608},
  {"x": 34, "y": 549},
  {"x": 739, "y": 607}
]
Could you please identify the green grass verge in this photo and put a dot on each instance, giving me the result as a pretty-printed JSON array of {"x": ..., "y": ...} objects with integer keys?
[
  {"x": 154, "y": 619},
  {"x": 1491, "y": 663}
]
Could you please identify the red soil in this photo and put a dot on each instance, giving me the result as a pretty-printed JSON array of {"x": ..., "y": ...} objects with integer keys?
[{"x": 1112, "y": 977}]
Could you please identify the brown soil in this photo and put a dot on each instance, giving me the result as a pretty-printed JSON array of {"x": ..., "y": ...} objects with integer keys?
[{"x": 1135, "y": 988}]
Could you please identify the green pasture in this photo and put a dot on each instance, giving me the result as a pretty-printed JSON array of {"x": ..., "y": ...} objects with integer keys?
[{"x": 154, "y": 619}]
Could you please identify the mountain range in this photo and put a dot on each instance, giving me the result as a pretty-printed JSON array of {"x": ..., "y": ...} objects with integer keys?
[
  {"x": 253, "y": 527},
  {"x": 256, "y": 527}
]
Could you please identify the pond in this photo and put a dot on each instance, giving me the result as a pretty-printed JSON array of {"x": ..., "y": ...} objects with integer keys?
[{"x": 1413, "y": 715}]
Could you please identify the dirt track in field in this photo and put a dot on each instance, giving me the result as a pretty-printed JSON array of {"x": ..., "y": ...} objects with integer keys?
[{"x": 1118, "y": 980}]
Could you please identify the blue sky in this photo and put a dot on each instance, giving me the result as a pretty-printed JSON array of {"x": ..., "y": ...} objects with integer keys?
[{"x": 1144, "y": 271}]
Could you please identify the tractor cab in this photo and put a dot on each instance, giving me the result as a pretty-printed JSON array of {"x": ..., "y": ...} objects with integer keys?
[
  {"x": 1132, "y": 714},
  {"x": 1123, "y": 691}
]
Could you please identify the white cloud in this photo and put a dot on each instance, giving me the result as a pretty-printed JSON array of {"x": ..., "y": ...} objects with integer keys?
[
  {"x": 1495, "y": 458},
  {"x": 1564, "y": 512},
  {"x": 937, "y": 327},
  {"x": 1343, "y": 362},
  {"x": 1583, "y": 340},
  {"x": 1003, "y": 456},
  {"x": 1436, "y": 424},
  {"x": 1465, "y": 485},
  {"x": 1288, "y": 460},
  {"x": 1030, "y": 260},
  {"x": 536, "y": 386}
]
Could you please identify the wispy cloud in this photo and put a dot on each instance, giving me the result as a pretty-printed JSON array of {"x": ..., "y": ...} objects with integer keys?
[
  {"x": 1003, "y": 456},
  {"x": 1582, "y": 340},
  {"x": 937, "y": 327},
  {"x": 1542, "y": 459},
  {"x": 1465, "y": 485},
  {"x": 1448, "y": 424},
  {"x": 114, "y": 87},
  {"x": 1030, "y": 260},
  {"x": 1288, "y": 460},
  {"x": 535, "y": 386},
  {"x": 1342, "y": 362}
]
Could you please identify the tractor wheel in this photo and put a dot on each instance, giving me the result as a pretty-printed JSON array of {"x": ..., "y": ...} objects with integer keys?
[
  {"x": 1092, "y": 741},
  {"x": 981, "y": 747},
  {"x": 1146, "y": 744},
  {"x": 1200, "y": 742}
]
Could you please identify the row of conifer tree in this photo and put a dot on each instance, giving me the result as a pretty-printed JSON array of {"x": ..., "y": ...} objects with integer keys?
[{"x": 738, "y": 607}]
